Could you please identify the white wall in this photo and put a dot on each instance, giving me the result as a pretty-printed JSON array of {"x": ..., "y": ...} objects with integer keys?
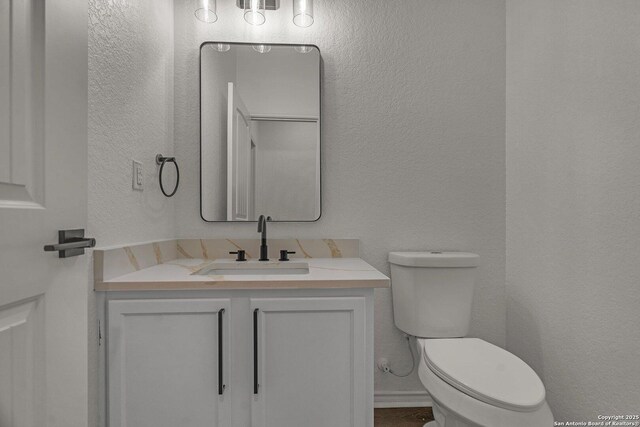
[
  {"x": 413, "y": 137},
  {"x": 130, "y": 117},
  {"x": 573, "y": 201}
]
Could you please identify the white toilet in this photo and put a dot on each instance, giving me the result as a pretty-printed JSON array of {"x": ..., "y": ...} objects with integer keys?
[{"x": 471, "y": 382}]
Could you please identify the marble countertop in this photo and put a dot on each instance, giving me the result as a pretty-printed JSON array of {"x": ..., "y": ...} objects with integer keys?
[{"x": 181, "y": 274}]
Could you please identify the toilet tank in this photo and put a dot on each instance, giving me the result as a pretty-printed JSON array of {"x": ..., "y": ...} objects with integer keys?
[{"x": 432, "y": 292}]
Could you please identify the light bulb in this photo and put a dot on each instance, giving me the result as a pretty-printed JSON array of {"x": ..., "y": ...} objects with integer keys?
[
  {"x": 303, "y": 48},
  {"x": 262, "y": 48},
  {"x": 303, "y": 13},
  {"x": 206, "y": 11},
  {"x": 254, "y": 11},
  {"x": 221, "y": 47}
]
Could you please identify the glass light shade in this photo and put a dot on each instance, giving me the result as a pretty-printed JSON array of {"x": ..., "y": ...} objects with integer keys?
[
  {"x": 254, "y": 11},
  {"x": 206, "y": 11},
  {"x": 221, "y": 47},
  {"x": 303, "y": 48},
  {"x": 262, "y": 48},
  {"x": 303, "y": 13}
]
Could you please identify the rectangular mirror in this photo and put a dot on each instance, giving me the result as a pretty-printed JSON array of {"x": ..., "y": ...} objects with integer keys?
[{"x": 259, "y": 132}]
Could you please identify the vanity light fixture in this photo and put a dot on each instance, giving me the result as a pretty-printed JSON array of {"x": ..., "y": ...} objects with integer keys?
[
  {"x": 254, "y": 11},
  {"x": 303, "y": 13},
  {"x": 206, "y": 11}
]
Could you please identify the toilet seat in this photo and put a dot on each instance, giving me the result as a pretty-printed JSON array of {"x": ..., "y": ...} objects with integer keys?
[
  {"x": 485, "y": 372},
  {"x": 459, "y": 409}
]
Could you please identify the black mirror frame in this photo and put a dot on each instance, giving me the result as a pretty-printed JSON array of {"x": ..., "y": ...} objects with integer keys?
[{"x": 200, "y": 124}]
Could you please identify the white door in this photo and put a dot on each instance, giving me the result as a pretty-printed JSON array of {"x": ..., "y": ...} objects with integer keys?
[
  {"x": 238, "y": 157},
  {"x": 43, "y": 189},
  {"x": 311, "y": 362},
  {"x": 168, "y": 363}
]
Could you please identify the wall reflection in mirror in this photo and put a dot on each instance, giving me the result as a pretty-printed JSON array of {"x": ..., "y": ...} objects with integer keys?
[{"x": 260, "y": 132}]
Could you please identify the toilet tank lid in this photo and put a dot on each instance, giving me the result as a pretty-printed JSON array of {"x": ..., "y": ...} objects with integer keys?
[{"x": 434, "y": 259}]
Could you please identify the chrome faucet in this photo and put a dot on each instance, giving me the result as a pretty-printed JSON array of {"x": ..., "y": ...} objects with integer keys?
[{"x": 262, "y": 228}]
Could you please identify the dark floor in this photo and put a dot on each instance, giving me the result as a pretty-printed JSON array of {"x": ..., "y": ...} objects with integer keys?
[{"x": 402, "y": 417}]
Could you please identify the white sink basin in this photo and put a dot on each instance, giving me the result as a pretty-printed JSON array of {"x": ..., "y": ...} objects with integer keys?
[{"x": 227, "y": 268}]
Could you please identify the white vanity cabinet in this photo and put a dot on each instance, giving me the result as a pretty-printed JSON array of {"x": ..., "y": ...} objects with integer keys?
[
  {"x": 311, "y": 362},
  {"x": 290, "y": 358},
  {"x": 167, "y": 363}
]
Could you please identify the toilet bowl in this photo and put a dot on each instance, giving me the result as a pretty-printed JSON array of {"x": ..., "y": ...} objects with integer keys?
[{"x": 472, "y": 383}]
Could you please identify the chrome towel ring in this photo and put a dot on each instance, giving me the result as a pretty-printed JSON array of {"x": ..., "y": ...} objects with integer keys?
[{"x": 161, "y": 160}]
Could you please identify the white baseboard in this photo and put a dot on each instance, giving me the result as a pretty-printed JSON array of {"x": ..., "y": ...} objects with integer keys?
[{"x": 401, "y": 399}]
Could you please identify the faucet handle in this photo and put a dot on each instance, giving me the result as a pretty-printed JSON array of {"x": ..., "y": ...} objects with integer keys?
[
  {"x": 284, "y": 255},
  {"x": 241, "y": 255}
]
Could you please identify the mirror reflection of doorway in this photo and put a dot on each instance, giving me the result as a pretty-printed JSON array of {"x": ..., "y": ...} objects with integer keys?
[
  {"x": 239, "y": 143},
  {"x": 286, "y": 166},
  {"x": 271, "y": 158}
]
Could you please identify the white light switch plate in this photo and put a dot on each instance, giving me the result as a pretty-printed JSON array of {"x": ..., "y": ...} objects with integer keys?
[{"x": 137, "y": 176}]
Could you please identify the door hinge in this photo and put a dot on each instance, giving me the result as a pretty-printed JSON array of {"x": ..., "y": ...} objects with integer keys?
[{"x": 99, "y": 334}]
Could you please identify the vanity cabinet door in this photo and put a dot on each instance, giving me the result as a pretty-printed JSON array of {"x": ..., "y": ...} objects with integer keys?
[
  {"x": 164, "y": 363},
  {"x": 311, "y": 362}
]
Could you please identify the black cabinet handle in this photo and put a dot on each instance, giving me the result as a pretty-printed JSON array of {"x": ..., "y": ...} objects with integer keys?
[
  {"x": 255, "y": 351},
  {"x": 220, "y": 354}
]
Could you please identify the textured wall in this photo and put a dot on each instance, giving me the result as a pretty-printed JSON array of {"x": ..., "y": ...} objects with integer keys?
[
  {"x": 413, "y": 137},
  {"x": 130, "y": 117},
  {"x": 573, "y": 197}
]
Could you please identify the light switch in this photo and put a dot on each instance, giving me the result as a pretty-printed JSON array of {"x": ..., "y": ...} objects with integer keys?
[{"x": 137, "y": 175}]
